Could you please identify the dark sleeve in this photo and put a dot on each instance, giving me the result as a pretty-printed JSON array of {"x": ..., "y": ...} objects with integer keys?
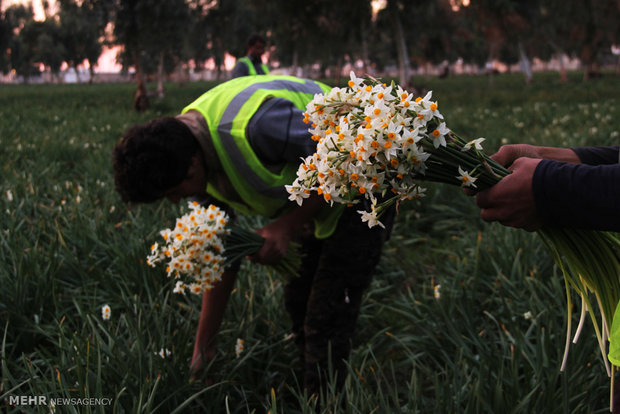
[
  {"x": 278, "y": 134},
  {"x": 598, "y": 155},
  {"x": 240, "y": 69},
  {"x": 578, "y": 195}
]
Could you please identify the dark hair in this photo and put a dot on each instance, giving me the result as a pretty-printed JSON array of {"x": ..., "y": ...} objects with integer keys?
[
  {"x": 254, "y": 39},
  {"x": 152, "y": 158}
]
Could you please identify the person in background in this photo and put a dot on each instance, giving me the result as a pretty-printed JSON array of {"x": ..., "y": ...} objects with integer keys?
[
  {"x": 239, "y": 144},
  {"x": 252, "y": 64}
]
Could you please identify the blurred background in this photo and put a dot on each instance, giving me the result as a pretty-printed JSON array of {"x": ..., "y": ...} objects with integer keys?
[{"x": 184, "y": 40}]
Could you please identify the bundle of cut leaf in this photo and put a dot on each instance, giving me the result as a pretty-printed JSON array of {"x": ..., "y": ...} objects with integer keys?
[{"x": 241, "y": 242}]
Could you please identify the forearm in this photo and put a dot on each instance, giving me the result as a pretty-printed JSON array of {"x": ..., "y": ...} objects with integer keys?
[
  {"x": 578, "y": 196},
  {"x": 559, "y": 154},
  {"x": 281, "y": 231},
  {"x": 508, "y": 154},
  {"x": 212, "y": 311}
]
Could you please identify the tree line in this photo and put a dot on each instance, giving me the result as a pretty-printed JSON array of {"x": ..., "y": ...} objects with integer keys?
[{"x": 159, "y": 36}]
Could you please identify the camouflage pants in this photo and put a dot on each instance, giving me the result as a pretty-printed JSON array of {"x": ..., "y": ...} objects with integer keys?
[{"x": 324, "y": 302}]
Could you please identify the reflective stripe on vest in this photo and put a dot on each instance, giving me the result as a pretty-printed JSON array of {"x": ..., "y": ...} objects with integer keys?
[{"x": 251, "y": 69}]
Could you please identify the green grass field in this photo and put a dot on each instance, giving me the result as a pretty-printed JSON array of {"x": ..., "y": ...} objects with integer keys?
[{"x": 491, "y": 343}]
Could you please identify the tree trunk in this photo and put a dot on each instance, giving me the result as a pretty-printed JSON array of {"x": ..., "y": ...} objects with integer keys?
[
  {"x": 140, "y": 99},
  {"x": 563, "y": 73},
  {"x": 218, "y": 66},
  {"x": 560, "y": 56},
  {"x": 365, "y": 59},
  {"x": 295, "y": 63},
  {"x": 339, "y": 64},
  {"x": 401, "y": 46},
  {"x": 586, "y": 59},
  {"x": 77, "y": 74},
  {"x": 525, "y": 64},
  {"x": 91, "y": 70},
  {"x": 160, "y": 76}
]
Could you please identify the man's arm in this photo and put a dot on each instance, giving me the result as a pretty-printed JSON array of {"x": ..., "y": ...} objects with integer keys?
[
  {"x": 563, "y": 194},
  {"x": 211, "y": 315},
  {"x": 511, "y": 201},
  {"x": 279, "y": 232}
]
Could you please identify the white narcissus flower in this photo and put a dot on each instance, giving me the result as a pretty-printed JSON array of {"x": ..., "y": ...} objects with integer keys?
[
  {"x": 439, "y": 135},
  {"x": 417, "y": 192},
  {"x": 297, "y": 194},
  {"x": 239, "y": 347},
  {"x": 164, "y": 353},
  {"x": 355, "y": 81},
  {"x": 106, "y": 312},
  {"x": 370, "y": 217},
  {"x": 476, "y": 143},
  {"x": 466, "y": 179},
  {"x": 179, "y": 287},
  {"x": 378, "y": 110},
  {"x": 436, "y": 292}
]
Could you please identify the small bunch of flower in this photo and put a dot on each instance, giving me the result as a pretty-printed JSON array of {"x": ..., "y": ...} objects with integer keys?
[
  {"x": 200, "y": 246},
  {"x": 193, "y": 249},
  {"x": 373, "y": 139}
]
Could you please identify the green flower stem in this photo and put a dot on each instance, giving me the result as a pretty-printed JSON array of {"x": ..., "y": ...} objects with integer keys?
[{"x": 242, "y": 242}]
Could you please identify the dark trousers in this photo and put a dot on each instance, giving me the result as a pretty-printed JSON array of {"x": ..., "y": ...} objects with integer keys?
[{"x": 324, "y": 301}]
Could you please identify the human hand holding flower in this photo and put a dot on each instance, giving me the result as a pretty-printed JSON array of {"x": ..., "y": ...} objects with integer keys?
[
  {"x": 511, "y": 201},
  {"x": 279, "y": 233},
  {"x": 277, "y": 238}
]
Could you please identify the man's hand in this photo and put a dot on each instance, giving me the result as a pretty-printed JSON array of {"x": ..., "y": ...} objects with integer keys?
[
  {"x": 277, "y": 236},
  {"x": 200, "y": 360},
  {"x": 278, "y": 233},
  {"x": 511, "y": 201}
]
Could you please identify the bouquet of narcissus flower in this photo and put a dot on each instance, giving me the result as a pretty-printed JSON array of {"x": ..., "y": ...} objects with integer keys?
[
  {"x": 193, "y": 249},
  {"x": 377, "y": 140},
  {"x": 200, "y": 245}
]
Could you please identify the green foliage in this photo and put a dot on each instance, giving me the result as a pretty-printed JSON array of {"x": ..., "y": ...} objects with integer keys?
[
  {"x": 160, "y": 36},
  {"x": 38, "y": 42},
  {"x": 492, "y": 342},
  {"x": 82, "y": 25},
  {"x": 150, "y": 31}
]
